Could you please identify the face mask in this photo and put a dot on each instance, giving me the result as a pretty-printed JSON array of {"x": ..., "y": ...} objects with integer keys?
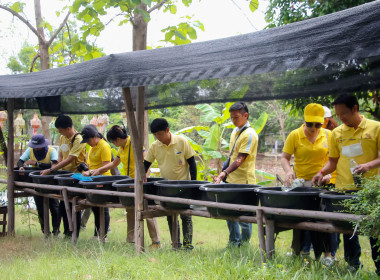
[
  {"x": 64, "y": 148},
  {"x": 353, "y": 150}
]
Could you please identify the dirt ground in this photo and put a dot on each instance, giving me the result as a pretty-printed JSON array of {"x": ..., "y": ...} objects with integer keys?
[{"x": 270, "y": 163}]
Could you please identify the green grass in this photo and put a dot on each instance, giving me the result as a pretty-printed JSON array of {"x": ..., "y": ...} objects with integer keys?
[{"x": 30, "y": 256}]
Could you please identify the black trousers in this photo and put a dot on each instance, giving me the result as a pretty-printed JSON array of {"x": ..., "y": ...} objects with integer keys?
[
  {"x": 62, "y": 212},
  {"x": 96, "y": 211},
  {"x": 54, "y": 212},
  {"x": 321, "y": 242},
  {"x": 187, "y": 228}
]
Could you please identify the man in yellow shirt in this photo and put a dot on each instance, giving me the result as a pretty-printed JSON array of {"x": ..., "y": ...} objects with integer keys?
[
  {"x": 357, "y": 138},
  {"x": 71, "y": 155},
  {"x": 241, "y": 168},
  {"x": 175, "y": 158}
]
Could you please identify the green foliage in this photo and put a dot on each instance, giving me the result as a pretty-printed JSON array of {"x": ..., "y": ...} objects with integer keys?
[{"x": 367, "y": 203}]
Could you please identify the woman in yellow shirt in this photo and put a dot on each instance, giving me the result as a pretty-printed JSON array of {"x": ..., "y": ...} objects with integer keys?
[
  {"x": 99, "y": 155},
  {"x": 118, "y": 136},
  {"x": 310, "y": 146}
]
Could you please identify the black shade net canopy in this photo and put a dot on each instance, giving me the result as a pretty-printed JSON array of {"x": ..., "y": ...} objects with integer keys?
[{"x": 327, "y": 55}]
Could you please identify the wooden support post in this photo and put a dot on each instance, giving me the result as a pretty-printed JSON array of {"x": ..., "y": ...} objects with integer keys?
[
  {"x": 74, "y": 220},
  {"x": 67, "y": 207},
  {"x": 260, "y": 231},
  {"x": 136, "y": 128},
  {"x": 46, "y": 217},
  {"x": 10, "y": 166},
  {"x": 269, "y": 237},
  {"x": 102, "y": 233},
  {"x": 175, "y": 231}
]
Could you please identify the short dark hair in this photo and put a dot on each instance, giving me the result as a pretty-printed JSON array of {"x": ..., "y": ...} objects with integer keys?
[
  {"x": 349, "y": 100},
  {"x": 239, "y": 106},
  {"x": 63, "y": 121},
  {"x": 159, "y": 124},
  {"x": 116, "y": 132}
]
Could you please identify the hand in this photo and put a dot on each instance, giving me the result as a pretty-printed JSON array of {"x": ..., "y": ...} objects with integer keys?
[
  {"x": 326, "y": 179},
  {"x": 317, "y": 179},
  {"x": 21, "y": 168},
  {"x": 86, "y": 173},
  {"x": 289, "y": 178},
  {"x": 219, "y": 178},
  {"x": 45, "y": 172},
  {"x": 30, "y": 162},
  {"x": 94, "y": 172},
  {"x": 361, "y": 169}
]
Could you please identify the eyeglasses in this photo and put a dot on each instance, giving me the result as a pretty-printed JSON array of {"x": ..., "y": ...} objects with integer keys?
[{"x": 311, "y": 124}]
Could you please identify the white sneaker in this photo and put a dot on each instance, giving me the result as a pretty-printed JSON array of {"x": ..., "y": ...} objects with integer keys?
[{"x": 327, "y": 261}]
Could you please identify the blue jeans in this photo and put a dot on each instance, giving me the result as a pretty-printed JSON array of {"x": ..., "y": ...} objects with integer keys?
[
  {"x": 352, "y": 250},
  {"x": 335, "y": 240},
  {"x": 236, "y": 238}
]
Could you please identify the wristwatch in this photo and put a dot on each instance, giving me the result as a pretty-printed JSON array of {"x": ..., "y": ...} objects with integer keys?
[{"x": 51, "y": 170}]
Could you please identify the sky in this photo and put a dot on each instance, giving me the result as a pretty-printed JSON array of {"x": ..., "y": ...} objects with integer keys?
[{"x": 221, "y": 18}]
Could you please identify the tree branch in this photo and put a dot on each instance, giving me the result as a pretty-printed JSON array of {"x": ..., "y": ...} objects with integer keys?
[
  {"x": 58, "y": 30},
  {"x": 34, "y": 61},
  {"x": 157, "y": 6},
  {"x": 23, "y": 20}
]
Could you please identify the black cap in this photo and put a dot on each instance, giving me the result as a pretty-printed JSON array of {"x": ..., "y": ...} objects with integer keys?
[{"x": 89, "y": 131}]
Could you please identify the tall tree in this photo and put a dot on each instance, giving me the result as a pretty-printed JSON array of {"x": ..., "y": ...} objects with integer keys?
[
  {"x": 281, "y": 12},
  {"x": 16, "y": 9},
  {"x": 138, "y": 14}
]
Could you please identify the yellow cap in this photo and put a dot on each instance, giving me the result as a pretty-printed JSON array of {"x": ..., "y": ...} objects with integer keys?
[{"x": 314, "y": 113}]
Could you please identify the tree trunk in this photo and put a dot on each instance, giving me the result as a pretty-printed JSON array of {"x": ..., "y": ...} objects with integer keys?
[
  {"x": 140, "y": 28},
  {"x": 44, "y": 59}
]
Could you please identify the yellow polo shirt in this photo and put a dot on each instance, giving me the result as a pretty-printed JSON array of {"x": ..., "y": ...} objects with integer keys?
[
  {"x": 96, "y": 155},
  {"x": 309, "y": 157},
  {"x": 127, "y": 152},
  {"x": 368, "y": 132},
  {"x": 246, "y": 144},
  {"x": 172, "y": 159},
  {"x": 75, "y": 149}
]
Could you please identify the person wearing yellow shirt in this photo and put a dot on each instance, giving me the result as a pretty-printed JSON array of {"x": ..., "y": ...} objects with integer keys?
[
  {"x": 71, "y": 155},
  {"x": 99, "y": 155},
  {"x": 175, "y": 158},
  {"x": 309, "y": 144},
  {"x": 118, "y": 136},
  {"x": 357, "y": 138},
  {"x": 241, "y": 167}
]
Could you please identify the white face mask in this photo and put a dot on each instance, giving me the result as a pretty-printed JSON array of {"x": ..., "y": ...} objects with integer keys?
[
  {"x": 353, "y": 150},
  {"x": 64, "y": 148}
]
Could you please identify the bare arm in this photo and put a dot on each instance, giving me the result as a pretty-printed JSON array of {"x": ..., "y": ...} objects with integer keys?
[
  {"x": 329, "y": 167},
  {"x": 365, "y": 167},
  {"x": 105, "y": 168},
  {"x": 285, "y": 163},
  {"x": 61, "y": 164},
  {"x": 233, "y": 166}
]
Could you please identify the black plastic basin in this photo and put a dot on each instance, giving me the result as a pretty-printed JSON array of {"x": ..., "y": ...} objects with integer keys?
[
  {"x": 306, "y": 198},
  {"x": 102, "y": 183},
  {"x": 67, "y": 180},
  {"x": 128, "y": 185},
  {"x": 23, "y": 175},
  {"x": 230, "y": 193},
  {"x": 47, "y": 179},
  {"x": 332, "y": 202},
  {"x": 182, "y": 189}
]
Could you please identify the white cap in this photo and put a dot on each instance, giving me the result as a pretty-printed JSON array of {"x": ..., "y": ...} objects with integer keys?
[{"x": 327, "y": 112}]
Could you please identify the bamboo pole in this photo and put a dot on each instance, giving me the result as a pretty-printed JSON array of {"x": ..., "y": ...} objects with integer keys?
[
  {"x": 102, "y": 233},
  {"x": 140, "y": 175},
  {"x": 175, "y": 242},
  {"x": 74, "y": 233},
  {"x": 260, "y": 231},
  {"x": 67, "y": 208},
  {"x": 136, "y": 139},
  {"x": 10, "y": 166},
  {"x": 46, "y": 217},
  {"x": 269, "y": 237}
]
